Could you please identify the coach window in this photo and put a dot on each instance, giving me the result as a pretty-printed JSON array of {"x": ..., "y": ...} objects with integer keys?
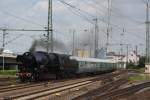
[
  {"x": 104, "y": 65},
  {"x": 85, "y": 63},
  {"x": 82, "y": 63}
]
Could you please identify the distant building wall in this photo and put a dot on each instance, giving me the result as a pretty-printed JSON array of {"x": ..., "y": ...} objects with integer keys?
[
  {"x": 82, "y": 53},
  {"x": 147, "y": 68},
  {"x": 102, "y": 53},
  {"x": 9, "y": 61}
]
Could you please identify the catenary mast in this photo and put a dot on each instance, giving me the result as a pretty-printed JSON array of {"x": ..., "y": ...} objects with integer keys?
[
  {"x": 147, "y": 34},
  {"x": 147, "y": 63},
  {"x": 50, "y": 27}
]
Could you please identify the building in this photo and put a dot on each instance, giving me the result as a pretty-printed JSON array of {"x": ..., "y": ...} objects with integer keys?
[
  {"x": 7, "y": 60},
  {"x": 82, "y": 53},
  {"x": 123, "y": 59},
  {"x": 132, "y": 58},
  {"x": 102, "y": 53}
]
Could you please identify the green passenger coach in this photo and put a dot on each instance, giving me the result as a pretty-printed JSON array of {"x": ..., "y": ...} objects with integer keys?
[{"x": 90, "y": 65}]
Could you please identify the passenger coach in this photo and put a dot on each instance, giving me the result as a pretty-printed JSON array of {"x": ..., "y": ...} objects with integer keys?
[{"x": 91, "y": 65}]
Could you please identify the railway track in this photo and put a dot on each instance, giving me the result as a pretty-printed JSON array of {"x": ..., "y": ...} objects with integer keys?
[
  {"x": 75, "y": 92},
  {"x": 7, "y": 78},
  {"x": 29, "y": 92},
  {"x": 7, "y": 81},
  {"x": 104, "y": 90},
  {"x": 12, "y": 87},
  {"x": 144, "y": 94},
  {"x": 113, "y": 91},
  {"x": 28, "y": 85},
  {"x": 19, "y": 86},
  {"x": 40, "y": 94},
  {"x": 27, "y": 89},
  {"x": 123, "y": 93},
  {"x": 109, "y": 86}
]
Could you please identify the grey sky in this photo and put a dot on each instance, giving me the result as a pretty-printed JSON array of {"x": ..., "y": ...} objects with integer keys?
[{"x": 127, "y": 14}]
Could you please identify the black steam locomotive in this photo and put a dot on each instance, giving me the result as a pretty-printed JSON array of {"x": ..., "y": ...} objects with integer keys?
[{"x": 42, "y": 66}]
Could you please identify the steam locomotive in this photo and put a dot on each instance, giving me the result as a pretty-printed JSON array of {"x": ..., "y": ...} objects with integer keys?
[{"x": 42, "y": 66}]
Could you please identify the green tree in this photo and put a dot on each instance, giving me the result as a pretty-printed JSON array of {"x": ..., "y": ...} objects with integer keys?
[{"x": 142, "y": 62}]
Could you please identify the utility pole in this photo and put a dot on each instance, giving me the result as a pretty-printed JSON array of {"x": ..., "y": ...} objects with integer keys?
[
  {"x": 73, "y": 44},
  {"x": 121, "y": 42},
  {"x": 127, "y": 53},
  {"x": 136, "y": 51},
  {"x": 147, "y": 34},
  {"x": 96, "y": 38},
  {"x": 108, "y": 27},
  {"x": 147, "y": 63},
  {"x": 3, "y": 46},
  {"x": 141, "y": 52},
  {"x": 50, "y": 27},
  {"x": 90, "y": 43}
]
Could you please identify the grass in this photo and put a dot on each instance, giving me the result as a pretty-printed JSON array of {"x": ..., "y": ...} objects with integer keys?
[
  {"x": 139, "y": 78},
  {"x": 136, "y": 78},
  {"x": 8, "y": 72},
  {"x": 140, "y": 70}
]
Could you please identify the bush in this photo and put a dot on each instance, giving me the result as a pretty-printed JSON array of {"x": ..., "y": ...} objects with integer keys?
[
  {"x": 141, "y": 62},
  {"x": 131, "y": 66}
]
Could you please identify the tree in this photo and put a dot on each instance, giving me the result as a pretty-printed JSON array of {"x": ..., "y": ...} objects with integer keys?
[{"x": 142, "y": 62}]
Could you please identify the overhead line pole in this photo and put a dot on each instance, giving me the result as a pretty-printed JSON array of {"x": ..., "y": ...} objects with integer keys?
[
  {"x": 96, "y": 38},
  {"x": 50, "y": 27},
  {"x": 147, "y": 34},
  {"x": 3, "y": 46},
  {"x": 127, "y": 53},
  {"x": 73, "y": 44},
  {"x": 147, "y": 62},
  {"x": 108, "y": 27},
  {"x": 121, "y": 42}
]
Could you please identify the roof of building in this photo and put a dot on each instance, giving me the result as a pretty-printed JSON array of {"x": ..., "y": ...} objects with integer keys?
[
  {"x": 92, "y": 59},
  {"x": 9, "y": 56}
]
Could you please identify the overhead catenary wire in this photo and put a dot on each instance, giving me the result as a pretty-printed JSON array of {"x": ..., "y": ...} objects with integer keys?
[
  {"x": 103, "y": 20},
  {"x": 114, "y": 11},
  {"x": 13, "y": 39},
  {"x": 85, "y": 15},
  {"x": 9, "y": 29},
  {"x": 21, "y": 18},
  {"x": 81, "y": 14}
]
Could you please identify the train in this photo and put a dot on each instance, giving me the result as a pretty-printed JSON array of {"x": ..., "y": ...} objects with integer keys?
[{"x": 41, "y": 65}]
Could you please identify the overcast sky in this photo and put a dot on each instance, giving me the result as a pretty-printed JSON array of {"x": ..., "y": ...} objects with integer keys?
[{"x": 32, "y": 14}]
